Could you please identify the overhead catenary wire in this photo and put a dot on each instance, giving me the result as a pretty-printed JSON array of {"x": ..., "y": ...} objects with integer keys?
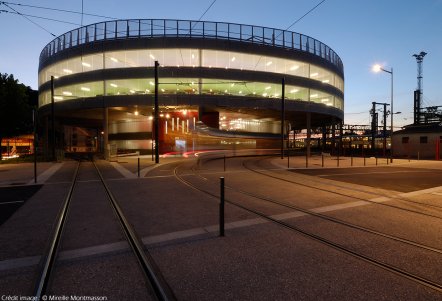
[
  {"x": 303, "y": 16},
  {"x": 39, "y": 17},
  {"x": 59, "y": 10},
  {"x": 35, "y": 23},
  {"x": 291, "y": 25}
]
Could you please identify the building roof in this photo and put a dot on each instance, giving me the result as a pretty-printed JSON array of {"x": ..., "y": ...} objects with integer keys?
[{"x": 420, "y": 128}]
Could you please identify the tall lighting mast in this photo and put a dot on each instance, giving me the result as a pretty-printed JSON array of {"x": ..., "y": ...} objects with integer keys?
[{"x": 418, "y": 94}]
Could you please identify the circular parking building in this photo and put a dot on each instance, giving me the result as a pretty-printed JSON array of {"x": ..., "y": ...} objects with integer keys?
[{"x": 217, "y": 83}]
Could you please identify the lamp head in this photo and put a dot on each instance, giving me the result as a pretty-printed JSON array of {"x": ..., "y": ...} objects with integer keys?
[{"x": 376, "y": 68}]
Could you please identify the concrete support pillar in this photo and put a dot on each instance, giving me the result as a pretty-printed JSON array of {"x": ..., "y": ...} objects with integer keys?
[
  {"x": 46, "y": 138},
  {"x": 106, "y": 133}
]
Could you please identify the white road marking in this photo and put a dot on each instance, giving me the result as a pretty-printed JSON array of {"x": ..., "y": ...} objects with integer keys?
[{"x": 47, "y": 174}]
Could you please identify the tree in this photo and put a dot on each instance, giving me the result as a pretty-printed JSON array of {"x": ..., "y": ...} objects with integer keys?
[{"x": 15, "y": 111}]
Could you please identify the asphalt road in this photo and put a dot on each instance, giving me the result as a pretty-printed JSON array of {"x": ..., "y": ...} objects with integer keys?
[
  {"x": 12, "y": 198},
  {"x": 401, "y": 179}
]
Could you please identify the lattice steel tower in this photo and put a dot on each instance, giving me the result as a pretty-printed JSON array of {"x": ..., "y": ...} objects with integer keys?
[{"x": 418, "y": 94}]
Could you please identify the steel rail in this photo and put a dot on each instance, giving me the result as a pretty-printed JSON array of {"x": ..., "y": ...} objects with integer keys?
[
  {"x": 51, "y": 254},
  {"x": 326, "y": 217},
  {"x": 155, "y": 279},
  {"x": 398, "y": 271},
  {"x": 355, "y": 197}
]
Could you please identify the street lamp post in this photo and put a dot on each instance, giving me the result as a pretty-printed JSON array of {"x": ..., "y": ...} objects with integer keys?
[{"x": 377, "y": 68}]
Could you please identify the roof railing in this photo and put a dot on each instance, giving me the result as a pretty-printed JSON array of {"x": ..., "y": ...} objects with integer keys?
[{"x": 152, "y": 28}]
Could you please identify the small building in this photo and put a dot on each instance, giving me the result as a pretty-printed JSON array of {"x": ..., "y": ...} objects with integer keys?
[
  {"x": 418, "y": 141},
  {"x": 17, "y": 146}
]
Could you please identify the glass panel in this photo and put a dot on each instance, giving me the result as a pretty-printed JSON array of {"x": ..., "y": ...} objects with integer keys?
[
  {"x": 311, "y": 43},
  {"x": 158, "y": 27},
  {"x": 279, "y": 35},
  {"x": 171, "y": 27},
  {"x": 100, "y": 31},
  {"x": 146, "y": 28},
  {"x": 296, "y": 40},
  {"x": 90, "y": 33},
  {"x": 184, "y": 27},
  {"x": 223, "y": 30},
  {"x": 197, "y": 28},
  {"x": 210, "y": 29},
  {"x": 269, "y": 36},
  {"x": 133, "y": 28},
  {"x": 122, "y": 29},
  {"x": 67, "y": 40},
  {"x": 235, "y": 31},
  {"x": 304, "y": 43},
  {"x": 296, "y": 93},
  {"x": 258, "y": 33},
  {"x": 110, "y": 30},
  {"x": 288, "y": 39},
  {"x": 247, "y": 33},
  {"x": 74, "y": 38}
]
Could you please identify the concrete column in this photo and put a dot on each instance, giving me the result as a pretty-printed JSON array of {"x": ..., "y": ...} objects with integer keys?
[{"x": 46, "y": 135}]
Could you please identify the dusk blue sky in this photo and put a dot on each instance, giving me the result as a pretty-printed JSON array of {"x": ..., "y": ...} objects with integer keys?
[{"x": 363, "y": 33}]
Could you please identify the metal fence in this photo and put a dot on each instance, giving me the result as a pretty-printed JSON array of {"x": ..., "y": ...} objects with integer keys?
[{"x": 150, "y": 28}]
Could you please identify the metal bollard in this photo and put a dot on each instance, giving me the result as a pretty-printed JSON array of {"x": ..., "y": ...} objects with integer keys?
[
  {"x": 337, "y": 160},
  {"x": 221, "y": 207},
  {"x": 364, "y": 160},
  {"x": 376, "y": 161},
  {"x": 138, "y": 167},
  {"x": 351, "y": 160},
  {"x": 224, "y": 162},
  {"x": 322, "y": 160},
  {"x": 306, "y": 161}
]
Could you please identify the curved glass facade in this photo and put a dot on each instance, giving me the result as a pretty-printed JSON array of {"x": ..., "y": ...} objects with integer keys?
[
  {"x": 190, "y": 86},
  {"x": 184, "y": 57},
  {"x": 230, "y": 75}
]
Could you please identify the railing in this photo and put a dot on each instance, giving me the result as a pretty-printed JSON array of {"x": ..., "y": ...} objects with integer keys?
[{"x": 141, "y": 28}]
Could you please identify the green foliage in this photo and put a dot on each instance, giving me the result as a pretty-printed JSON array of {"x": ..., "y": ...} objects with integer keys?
[
  {"x": 15, "y": 108},
  {"x": 15, "y": 111}
]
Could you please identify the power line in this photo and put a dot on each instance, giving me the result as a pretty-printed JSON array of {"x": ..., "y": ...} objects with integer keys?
[
  {"x": 207, "y": 10},
  {"x": 35, "y": 23},
  {"x": 59, "y": 10},
  {"x": 39, "y": 17},
  {"x": 305, "y": 14}
]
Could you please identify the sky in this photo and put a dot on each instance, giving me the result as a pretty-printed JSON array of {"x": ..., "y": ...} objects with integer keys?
[{"x": 362, "y": 33}]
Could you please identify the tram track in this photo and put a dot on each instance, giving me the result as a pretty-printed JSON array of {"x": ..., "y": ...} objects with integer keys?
[
  {"x": 156, "y": 285},
  {"x": 338, "y": 246},
  {"x": 374, "y": 194}
]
